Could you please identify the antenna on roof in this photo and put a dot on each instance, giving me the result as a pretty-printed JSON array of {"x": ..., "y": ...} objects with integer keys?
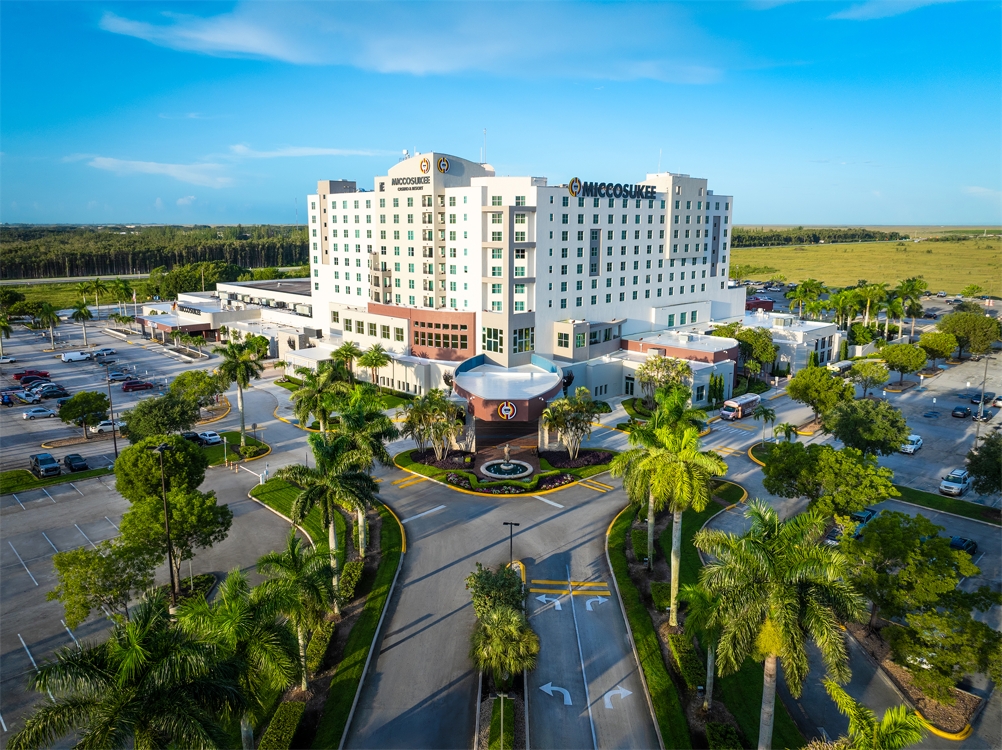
[
  {"x": 485, "y": 146},
  {"x": 405, "y": 156}
]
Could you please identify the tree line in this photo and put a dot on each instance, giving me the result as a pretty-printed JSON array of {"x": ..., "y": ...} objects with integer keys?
[
  {"x": 742, "y": 237},
  {"x": 45, "y": 252}
]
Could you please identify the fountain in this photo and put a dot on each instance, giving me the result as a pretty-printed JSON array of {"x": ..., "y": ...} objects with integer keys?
[{"x": 506, "y": 468}]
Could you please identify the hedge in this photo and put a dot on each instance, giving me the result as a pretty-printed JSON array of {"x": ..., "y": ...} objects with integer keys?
[
  {"x": 639, "y": 539},
  {"x": 316, "y": 652},
  {"x": 354, "y": 533},
  {"x": 722, "y": 737},
  {"x": 661, "y": 594},
  {"x": 690, "y": 666},
  {"x": 283, "y": 726},
  {"x": 350, "y": 575},
  {"x": 667, "y": 707}
]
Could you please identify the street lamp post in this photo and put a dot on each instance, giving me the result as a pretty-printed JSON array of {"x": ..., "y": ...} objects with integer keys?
[
  {"x": 981, "y": 406},
  {"x": 502, "y": 696},
  {"x": 511, "y": 528},
  {"x": 161, "y": 449},
  {"x": 111, "y": 407}
]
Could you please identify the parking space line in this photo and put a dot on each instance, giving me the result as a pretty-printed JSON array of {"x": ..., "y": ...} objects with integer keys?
[
  {"x": 584, "y": 675},
  {"x": 548, "y": 502},
  {"x": 18, "y": 501},
  {"x": 71, "y": 634},
  {"x": 48, "y": 495},
  {"x": 49, "y": 541},
  {"x": 33, "y": 662},
  {"x": 86, "y": 537},
  {"x": 3, "y": 723},
  {"x": 75, "y": 487},
  {"x": 419, "y": 515},
  {"x": 22, "y": 563},
  {"x": 112, "y": 523}
]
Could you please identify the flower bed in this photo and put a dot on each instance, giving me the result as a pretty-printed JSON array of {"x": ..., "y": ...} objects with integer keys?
[
  {"x": 559, "y": 459},
  {"x": 466, "y": 481}
]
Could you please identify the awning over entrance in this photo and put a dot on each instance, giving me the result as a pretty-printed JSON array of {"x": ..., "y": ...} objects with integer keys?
[{"x": 507, "y": 394}]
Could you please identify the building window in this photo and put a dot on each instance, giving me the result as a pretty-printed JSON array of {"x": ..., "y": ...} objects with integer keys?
[
  {"x": 372, "y": 330},
  {"x": 492, "y": 340},
  {"x": 496, "y": 306},
  {"x": 520, "y": 270},
  {"x": 495, "y": 270},
  {"x": 520, "y": 218},
  {"x": 519, "y": 237},
  {"x": 523, "y": 340},
  {"x": 628, "y": 388},
  {"x": 579, "y": 340},
  {"x": 519, "y": 200},
  {"x": 563, "y": 303},
  {"x": 563, "y": 340},
  {"x": 519, "y": 306},
  {"x": 495, "y": 289},
  {"x": 681, "y": 319},
  {"x": 700, "y": 392},
  {"x": 495, "y": 200},
  {"x": 398, "y": 333}
]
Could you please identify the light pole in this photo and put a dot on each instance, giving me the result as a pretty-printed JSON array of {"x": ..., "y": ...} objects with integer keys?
[
  {"x": 502, "y": 696},
  {"x": 111, "y": 407},
  {"x": 161, "y": 449},
  {"x": 981, "y": 406},
  {"x": 511, "y": 528}
]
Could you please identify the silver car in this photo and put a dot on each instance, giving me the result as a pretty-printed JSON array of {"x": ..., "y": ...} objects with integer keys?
[{"x": 39, "y": 412}]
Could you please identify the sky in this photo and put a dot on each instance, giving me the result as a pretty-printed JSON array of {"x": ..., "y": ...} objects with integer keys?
[{"x": 877, "y": 112}]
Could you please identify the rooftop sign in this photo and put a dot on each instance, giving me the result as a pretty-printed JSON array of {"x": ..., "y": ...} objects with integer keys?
[{"x": 610, "y": 190}]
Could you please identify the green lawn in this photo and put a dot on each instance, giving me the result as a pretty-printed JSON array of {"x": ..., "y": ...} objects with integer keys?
[
  {"x": 279, "y": 494},
  {"x": 761, "y": 451},
  {"x": 635, "y": 408},
  {"x": 60, "y": 296},
  {"x": 22, "y": 480},
  {"x": 349, "y": 671},
  {"x": 393, "y": 399},
  {"x": 495, "y": 741},
  {"x": 217, "y": 453},
  {"x": 950, "y": 505}
]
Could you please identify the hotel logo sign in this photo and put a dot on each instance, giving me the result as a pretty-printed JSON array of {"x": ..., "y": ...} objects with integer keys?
[
  {"x": 507, "y": 410},
  {"x": 443, "y": 165},
  {"x": 609, "y": 190},
  {"x": 425, "y": 166}
]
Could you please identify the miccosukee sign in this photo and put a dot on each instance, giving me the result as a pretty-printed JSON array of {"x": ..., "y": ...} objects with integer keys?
[{"x": 610, "y": 190}]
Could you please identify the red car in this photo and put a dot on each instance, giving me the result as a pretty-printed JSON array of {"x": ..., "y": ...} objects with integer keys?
[
  {"x": 136, "y": 385},
  {"x": 39, "y": 373}
]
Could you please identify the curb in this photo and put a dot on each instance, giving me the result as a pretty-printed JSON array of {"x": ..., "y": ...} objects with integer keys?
[
  {"x": 629, "y": 630},
  {"x": 284, "y": 517},
  {"x": 753, "y": 457},
  {"x": 294, "y": 424},
  {"x": 226, "y": 413},
  {"x": 963, "y": 734},
  {"x": 944, "y": 512}
]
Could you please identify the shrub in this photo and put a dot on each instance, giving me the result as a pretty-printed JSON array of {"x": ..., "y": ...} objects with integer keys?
[
  {"x": 690, "y": 666},
  {"x": 661, "y": 594},
  {"x": 350, "y": 575},
  {"x": 758, "y": 386},
  {"x": 316, "y": 652},
  {"x": 639, "y": 538},
  {"x": 602, "y": 407},
  {"x": 722, "y": 736},
  {"x": 495, "y": 587},
  {"x": 250, "y": 451},
  {"x": 282, "y": 727}
]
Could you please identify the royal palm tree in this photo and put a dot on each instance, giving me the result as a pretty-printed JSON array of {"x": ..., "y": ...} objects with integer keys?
[
  {"x": 673, "y": 408},
  {"x": 122, "y": 291},
  {"x": 150, "y": 684},
  {"x": 316, "y": 394},
  {"x": 99, "y": 287},
  {"x": 910, "y": 291},
  {"x": 83, "y": 289},
  {"x": 240, "y": 365},
  {"x": 347, "y": 353},
  {"x": 5, "y": 328},
  {"x": 374, "y": 359},
  {"x": 893, "y": 308},
  {"x": 702, "y": 619},
  {"x": 335, "y": 483},
  {"x": 778, "y": 588},
  {"x": 47, "y": 316},
  {"x": 806, "y": 291},
  {"x": 299, "y": 581},
  {"x": 81, "y": 314},
  {"x": 872, "y": 296},
  {"x": 899, "y": 727},
  {"x": 503, "y": 644},
  {"x": 786, "y": 429},
  {"x": 246, "y": 626},
  {"x": 766, "y": 414},
  {"x": 914, "y": 310}
]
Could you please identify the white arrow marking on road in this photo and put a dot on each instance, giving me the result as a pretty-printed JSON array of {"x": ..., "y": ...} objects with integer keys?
[
  {"x": 546, "y": 600},
  {"x": 621, "y": 691},
  {"x": 549, "y": 687},
  {"x": 598, "y": 599}
]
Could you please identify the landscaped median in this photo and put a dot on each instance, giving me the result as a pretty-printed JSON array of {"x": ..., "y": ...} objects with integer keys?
[
  {"x": 22, "y": 480},
  {"x": 278, "y": 495},
  {"x": 217, "y": 454}
]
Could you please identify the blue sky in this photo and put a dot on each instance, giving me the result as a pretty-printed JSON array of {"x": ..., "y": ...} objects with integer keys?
[{"x": 859, "y": 112}]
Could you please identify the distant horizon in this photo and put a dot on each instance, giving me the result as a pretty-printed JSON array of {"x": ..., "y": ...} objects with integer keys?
[{"x": 761, "y": 225}]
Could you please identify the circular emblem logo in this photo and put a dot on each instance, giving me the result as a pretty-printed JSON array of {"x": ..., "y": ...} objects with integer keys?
[
  {"x": 425, "y": 166},
  {"x": 574, "y": 186},
  {"x": 443, "y": 165},
  {"x": 507, "y": 410}
]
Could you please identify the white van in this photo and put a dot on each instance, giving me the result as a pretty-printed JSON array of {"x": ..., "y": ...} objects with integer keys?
[{"x": 75, "y": 356}]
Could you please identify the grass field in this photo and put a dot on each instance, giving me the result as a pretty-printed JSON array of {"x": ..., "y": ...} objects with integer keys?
[
  {"x": 949, "y": 266},
  {"x": 60, "y": 295},
  {"x": 22, "y": 480}
]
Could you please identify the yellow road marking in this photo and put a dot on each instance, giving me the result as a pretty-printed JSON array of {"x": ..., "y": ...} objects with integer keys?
[
  {"x": 416, "y": 480},
  {"x": 573, "y": 583},
  {"x": 591, "y": 593},
  {"x": 548, "y": 591},
  {"x": 601, "y": 484},
  {"x": 565, "y": 592},
  {"x": 746, "y": 428},
  {"x": 584, "y": 483},
  {"x": 407, "y": 478}
]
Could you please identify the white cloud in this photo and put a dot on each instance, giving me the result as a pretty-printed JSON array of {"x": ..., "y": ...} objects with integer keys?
[
  {"x": 873, "y": 9},
  {"x": 184, "y": 116},
  {"x": 245, "y": 151},
  {"x": 983, "y": 192},
  {"x": 595, "y": 41},
  {"x": 207, "y": 175},
  {"x": 186, "y": 200},
  {"x": 158, "y": 204}
]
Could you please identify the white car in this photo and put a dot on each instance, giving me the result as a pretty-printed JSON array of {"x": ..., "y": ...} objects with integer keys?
[
  {"x": 106, "y": 351},
  {"x": 38, "y": 413},
  {"x": 912, "y": 444},
  {"x": 210, "y": 438},
  {"x": 7, "y": 360},
  {"x": 956, "y": 483},
  {"x": 106, "y": 425}
]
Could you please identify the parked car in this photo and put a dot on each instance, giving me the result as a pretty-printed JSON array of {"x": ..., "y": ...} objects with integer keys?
[
  {"x": 106, "y": 425},
  {"x": 139, "y": 385},
  {"x": 75, "y": 462},
  {"x": 60, "y": 402},
  {"x": 964, "y": 545},
  {"x": 940, "y": 294},
  {"x": 39, "y": 412},
  {"x": 912, "y": 444},
  {"x": 863, "y": 517},
  {"x": 7, "y": 360},
  {"x": 988, "y": 397},
  {"x": 997, "y": 402},
  {"x": 57, "y": 392},
  {"x": 930, "y": 314},
  {"x": 25, "y": 373},
  {"x": 192, "y": 436},
  {"x": 120, "y": 377},
  {"x": 956, "y": 483},
  {"x": 44, "y": 465},
  {"x": 210, "y": 438},
  {"x": 104, "y": 352},
  {"x": 6, "y": 400},
  {"x": 961, "y": 412},
  {"x": 75, "y": 356},
  {"x": 27, "y": 397},
  {"x": 985, "y": 415},
  {"x": 29, "y": 379},
  {"x": 833, "y": 537}
]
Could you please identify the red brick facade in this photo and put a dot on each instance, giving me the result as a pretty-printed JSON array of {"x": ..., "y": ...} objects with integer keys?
[{"x": 443, "y": 335}]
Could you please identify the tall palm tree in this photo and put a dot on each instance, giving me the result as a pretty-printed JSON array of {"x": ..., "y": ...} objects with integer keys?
[
  {"x": 335, "y": 483},
  {"x": 766, "y": 414},
  {"x": 348, "y": 352},
  {"x": 872, "y": 296},
  {"x": 150, "y": 684},
  {"x": 808, "y": 290},
  {"x": 299, "y": 581},
  {"x": 122, "y": 291},
  {"x": 418, "y": 417},
  {"x": 899, "y": 727},
  {"x": 910, "y": 291},
  {"x": 99, "y": 287},
  {"x": 893, "y": 308},
  {"x": 702, "y": 619},
  {"x": 779, "y": 588},
  {"x": 786, "y": 429},
  {"x": 316, "y": 394},
  {"x": 374, "y": 359},
  {"x": 83, "y": 289},
  {"x": 5, "y": 328},
  {"x": 47, "y": 316},
  {"x": 674, "y": 408},
  {"x": 81, "y": 314},
  {"x": 245, "y": 625},
  {"x": 503, "y": 644},
  {"x": 240, "y": 365},
  {"x": 914, "y": 310}
]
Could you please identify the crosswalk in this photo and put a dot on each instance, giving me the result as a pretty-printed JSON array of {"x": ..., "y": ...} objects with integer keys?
[
  {"x": 732, "y": 428},
  {"x": 725, "y": 450},
  {"x": 409, "y": 481}
]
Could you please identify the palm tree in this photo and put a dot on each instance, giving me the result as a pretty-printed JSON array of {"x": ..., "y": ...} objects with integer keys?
[
  {"x": 779, "y": 588},
  {"x": 873, "y": 296},
  {"x": 334, "y": 484},
  {"x": 83, "y": 288},
  {"x": 786, "y": 429},
  {"x": 375, "y": 358},
  {"x": 806, "y": 291},
  {"x": 5, "y": 328},
  {"x": 239, "y": 365},
  {"x": 893, "y": 308},
  {"x": 669, "y": 469},
  {"x": 910, "y": 291},
  {"x": 122, "y": 291},
  {"x": 245, "y": 625},
  {"x": 98, "y": 287},
  {"x": 702, "y": 619},
  {"x": 316, "y": 394},
  {"x": 150, "y": 684},
  {"x": 914, "y": 310},
  {"x": 418, "y": 416},
  {"x": 673, "y": 407},
  {"x": 300, "y": 582},
  {"x": 47, "y": 316},
  {"x": 348, "y": 352},
  {"x": 81, "y": 314},
  {"x": 899, "y": 727},
  {"x": 503, "y": 644},
  {"x": 766, "y": 414}
]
